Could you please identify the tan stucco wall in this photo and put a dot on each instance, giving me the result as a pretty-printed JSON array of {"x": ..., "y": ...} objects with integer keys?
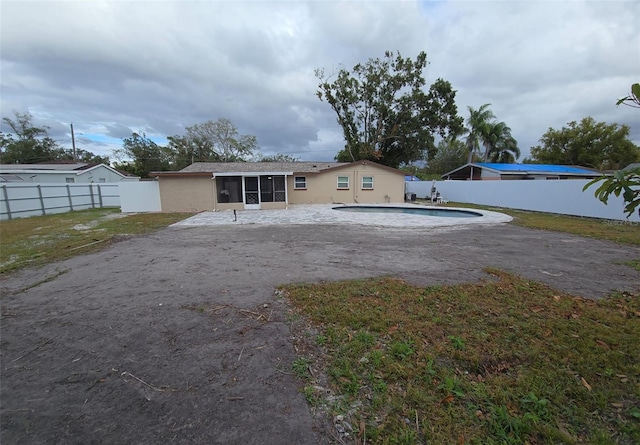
[
  {"x": 322, "y": 188},
  {"x": 186, "y": 194},
  {"x": 240, "y": 206},
  {"x": 273, "y": 205}
]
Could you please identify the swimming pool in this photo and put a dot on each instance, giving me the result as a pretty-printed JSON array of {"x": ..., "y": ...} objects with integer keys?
[{"x": 447, "y": 213}]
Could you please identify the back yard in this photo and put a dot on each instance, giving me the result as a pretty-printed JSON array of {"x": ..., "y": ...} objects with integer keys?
[{"x": 318, "y": 334}]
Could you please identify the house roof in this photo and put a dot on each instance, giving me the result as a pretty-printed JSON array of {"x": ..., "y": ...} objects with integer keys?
[
  {"x": 76, "y": 168},
  {"x": 259, "y": 167},
  {"x": 527, "y": 169},
  {"x": 229, "y": 168},
  {"x": 535, "y": 168},
  {"x": 48, "y": 167},
  {"x": 634, "y": 166}
]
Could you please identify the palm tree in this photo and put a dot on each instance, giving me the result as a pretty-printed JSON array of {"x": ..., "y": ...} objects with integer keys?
[
  {"x": 500, "y": 145},
  {"x": 477, "y": 126}
]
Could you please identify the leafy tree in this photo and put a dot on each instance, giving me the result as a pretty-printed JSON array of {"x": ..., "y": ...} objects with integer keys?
[
  {"x": 477, "y": 124},
  {"x": 483, "y": 129},
  {"x": 588, "y": 143},
  {"x": 87, "y": 156},
  {"x": 625, "y": 183},
  {"x": 185, "y": 151},
  {"x": 451, "y": 154},
  {"x": 27, "y": 144},
  {"x": 220, "y": 141},
  {"x": 279, "y": 157},
  {"x": 384, "y": 112},
  {"x": 500, "y": 146},
  {"x": 32, "y": 144},
  {"x": 144, "y": 154},
  {"x": 633, "y": 99}
]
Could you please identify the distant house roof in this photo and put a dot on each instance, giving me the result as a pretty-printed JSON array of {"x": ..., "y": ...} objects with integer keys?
[
  {"x": 521, "y": 170},
  {"x": 240, "y": 168},
  {"x": 76, "y": 168},
  {"x": 62, "y": 166},
  {"x": 8, "y": 177},
  {"x": 634, "y": 166}
]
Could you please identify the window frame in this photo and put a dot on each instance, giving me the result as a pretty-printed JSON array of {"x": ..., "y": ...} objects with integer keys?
[
  {"x": 295, "y": 183},
  {"x": 363, "y": 183},
  {"x": 343, "y": 182}
]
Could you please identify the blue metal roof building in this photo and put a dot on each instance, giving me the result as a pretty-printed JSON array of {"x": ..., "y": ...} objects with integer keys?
[{"x": 493, "y": 171}]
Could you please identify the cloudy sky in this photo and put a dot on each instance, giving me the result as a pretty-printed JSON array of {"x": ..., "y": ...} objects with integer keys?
[{"x": 115, "y": 67}]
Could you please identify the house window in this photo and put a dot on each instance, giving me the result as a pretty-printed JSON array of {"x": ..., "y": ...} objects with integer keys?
[
  {"x": 71, "y": 180},
  {"x": 102, "y": 180},
  {"x": 343, "y": 182},
  {"x": 367, "y": 183},
  {"x": 272, "y": 189},
  {"x": 300, "y": 182},
  {"x": 229, "y": 189}
]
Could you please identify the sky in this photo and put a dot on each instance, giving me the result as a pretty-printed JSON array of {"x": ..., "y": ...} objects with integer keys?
[{"x": 155, "y": 67}]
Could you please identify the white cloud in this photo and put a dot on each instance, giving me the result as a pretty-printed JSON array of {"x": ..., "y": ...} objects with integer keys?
[{"x": 158, "y": 66}]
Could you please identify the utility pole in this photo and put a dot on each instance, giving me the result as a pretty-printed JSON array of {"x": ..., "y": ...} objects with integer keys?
[{"x": 73, "y": 144}]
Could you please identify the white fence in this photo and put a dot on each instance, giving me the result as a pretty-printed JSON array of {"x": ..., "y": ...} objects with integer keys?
[
  {"x": 561, "y": 196},
  {"x": 24, "y": 200},
  {"x": 143, "y": 196}
]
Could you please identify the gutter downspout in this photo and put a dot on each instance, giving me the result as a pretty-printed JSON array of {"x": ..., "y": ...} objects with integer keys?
[
  {"x": 215, "y": 191},
  {"x": 355, "y": 186}
]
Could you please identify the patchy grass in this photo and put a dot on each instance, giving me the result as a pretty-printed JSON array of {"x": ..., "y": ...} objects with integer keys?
[
  {"x": 503, "y": 361},
  {"x": 42, "y": 239},
  {"x": 625, "y": 232},
  {"x": 633, "y": 263}
]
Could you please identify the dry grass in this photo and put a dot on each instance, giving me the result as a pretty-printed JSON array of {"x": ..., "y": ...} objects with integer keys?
[
  {"x": 506, "y": 361},
  {"x": 625, "y": 232},
  {"x": 38, "y": 240}
]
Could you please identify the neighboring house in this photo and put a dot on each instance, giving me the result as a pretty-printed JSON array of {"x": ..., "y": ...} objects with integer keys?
[
  {"x": 70, "y": 173},
  {"x": 630, "y": 167},
  {"x": 493, "y": 171},
  {"x": 274, "y": 185}
]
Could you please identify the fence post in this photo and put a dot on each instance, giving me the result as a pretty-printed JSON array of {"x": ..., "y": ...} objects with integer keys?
[
  {"x": 6, "y": 199},
  {"x": 69, "y": 195},
  {"x": 93, "y": 201},
  {"x": 44, "y": 211},
  {"x": 100, "y": 196}
]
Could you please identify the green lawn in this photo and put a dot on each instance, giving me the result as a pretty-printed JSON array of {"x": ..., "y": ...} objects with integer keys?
[{"x": 502, "y": 361}]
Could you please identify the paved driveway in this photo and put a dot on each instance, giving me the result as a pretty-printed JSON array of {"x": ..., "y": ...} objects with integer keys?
[{"x": 177, "y": 337}]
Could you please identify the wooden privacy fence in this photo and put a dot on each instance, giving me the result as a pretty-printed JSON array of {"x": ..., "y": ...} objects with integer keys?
[{"x": 24, "y": 200}]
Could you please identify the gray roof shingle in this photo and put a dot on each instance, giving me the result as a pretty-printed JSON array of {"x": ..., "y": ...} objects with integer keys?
[{"x": 258, "y": 167}]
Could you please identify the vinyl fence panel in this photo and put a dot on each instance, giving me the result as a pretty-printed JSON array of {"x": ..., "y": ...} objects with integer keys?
[
  {"x": 559, "y": 196},
  {"x": 24, "y": 200},
  {"x": 143, "y": 196}
]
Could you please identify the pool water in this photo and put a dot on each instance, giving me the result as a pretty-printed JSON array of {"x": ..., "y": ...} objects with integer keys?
[{"x": 447, "y": 213}]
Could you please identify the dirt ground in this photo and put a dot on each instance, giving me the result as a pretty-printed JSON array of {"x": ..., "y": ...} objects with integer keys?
[{"x": 178, "y": 337}]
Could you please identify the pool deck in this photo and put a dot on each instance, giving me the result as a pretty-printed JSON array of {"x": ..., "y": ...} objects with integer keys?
[{"x": 324, "y": 214}]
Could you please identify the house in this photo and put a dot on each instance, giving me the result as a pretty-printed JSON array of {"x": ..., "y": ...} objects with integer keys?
[
  {"x": 274, "y": 185},
  {"x": 70, "y": 173},
  {"x": 493, "y": 171}
]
